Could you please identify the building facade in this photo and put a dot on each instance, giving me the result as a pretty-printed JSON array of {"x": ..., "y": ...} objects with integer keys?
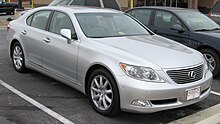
[{"x": 203, "y": 5}]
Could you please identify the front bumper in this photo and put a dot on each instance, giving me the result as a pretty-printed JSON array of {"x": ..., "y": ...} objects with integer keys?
[{"x": 159, "y": 96}]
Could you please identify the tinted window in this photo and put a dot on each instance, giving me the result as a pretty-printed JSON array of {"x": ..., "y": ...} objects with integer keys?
[
  {"x": 61, "y": 21},
  {"x": 143, "y": 15},
  {"x": 216, "y": 8},
  {"x": 95, "y": 3},
  {"x": 78, "y": 2},
  {"x": 111, "y": 4},
  {"x": 165, "y": 19},
  {"x": 40, "y": 19},
  {"x": 29, "y": 19}
]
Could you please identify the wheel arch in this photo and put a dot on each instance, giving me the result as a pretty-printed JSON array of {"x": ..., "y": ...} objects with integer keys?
[
  {"x": 12, "y": 44},
  {"x": 208, "y": 47},
  {"x": 93, "y": 68}
]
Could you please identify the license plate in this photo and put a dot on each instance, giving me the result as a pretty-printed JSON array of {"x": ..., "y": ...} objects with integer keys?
[{"x": 193, "y": 93}]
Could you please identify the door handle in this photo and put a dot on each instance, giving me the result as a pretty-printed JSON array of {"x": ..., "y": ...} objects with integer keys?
[
  {"x": 24, "y": 32},
  {"x": 47, "y": 40}
]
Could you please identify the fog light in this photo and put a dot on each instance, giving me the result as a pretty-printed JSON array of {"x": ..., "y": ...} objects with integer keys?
[{"x": 140, "y": 103}]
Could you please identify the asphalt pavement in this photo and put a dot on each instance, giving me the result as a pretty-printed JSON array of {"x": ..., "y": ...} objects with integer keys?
[{"x": 67, "y": 102}]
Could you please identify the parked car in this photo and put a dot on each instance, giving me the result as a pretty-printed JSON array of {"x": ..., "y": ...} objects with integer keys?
[
  {"x": 215, "y": 12},
  {"x": 8, "y": 8},
  {"x": 106, "y": 54},
  {"x": 185, "y": 26},
  {"x": 95, "y": 3}
]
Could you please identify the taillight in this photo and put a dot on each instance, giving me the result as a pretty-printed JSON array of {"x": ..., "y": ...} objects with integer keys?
[
  {"x": 8, "y": 27},
  {"x": 209, "y": 14}
]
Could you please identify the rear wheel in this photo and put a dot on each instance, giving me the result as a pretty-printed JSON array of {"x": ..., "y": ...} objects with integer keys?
[
  {"x": 213, "y": 60},
  {"x": 18, "y": 58},
  {"x": 103, "y": 92}
]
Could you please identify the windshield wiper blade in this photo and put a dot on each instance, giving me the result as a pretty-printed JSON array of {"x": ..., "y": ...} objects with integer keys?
[
  {"x": 202, "y": 30},
  {"x": 215, "y": 29}
]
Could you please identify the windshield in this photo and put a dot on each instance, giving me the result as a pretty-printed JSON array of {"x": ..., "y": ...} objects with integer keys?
[
  {"x": 101, "y": 25},
  {"x": 197, "y": 21},
  {"x": 59, "y": 2}
]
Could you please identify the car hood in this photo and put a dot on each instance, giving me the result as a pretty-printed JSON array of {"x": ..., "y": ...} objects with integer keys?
[
  {"x": 154, "y": 49},
  {"x": 215, "y": 34}
]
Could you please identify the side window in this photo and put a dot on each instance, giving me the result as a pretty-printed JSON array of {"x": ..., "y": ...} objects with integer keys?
[
  {"x": 143, "y": 15},
  {"x": 111, "y": 4},
  {"x": 165, "y": 19},
  {"x": 64, "y": 2},
  {"x": 78, "y": 2},
  {"x": 95, "y": 3},
  {"x": 29, "y": 19},
  {"x": 61, "y": 21},
  {"x": 216, "y": 8},
  {"x": 40, "y": 19}
]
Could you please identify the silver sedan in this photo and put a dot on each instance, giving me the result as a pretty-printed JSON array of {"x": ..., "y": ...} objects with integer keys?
[{"x": 109, "y": 56}]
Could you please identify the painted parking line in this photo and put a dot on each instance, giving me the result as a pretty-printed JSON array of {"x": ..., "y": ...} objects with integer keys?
[
  {"x": 210, "y": 115},
  {"x": 37, "y": 104},
  {"x": 215, "y": 93}
]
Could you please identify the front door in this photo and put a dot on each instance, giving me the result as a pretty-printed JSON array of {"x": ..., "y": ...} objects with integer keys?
[
  {"x": 59, "y": 57},
  {"x": 163, "y": 21}
]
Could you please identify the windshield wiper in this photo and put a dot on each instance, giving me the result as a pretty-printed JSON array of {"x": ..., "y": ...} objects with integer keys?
[
  {"x": 215, "y": 29},
  {"x": 202, "y": 29}
]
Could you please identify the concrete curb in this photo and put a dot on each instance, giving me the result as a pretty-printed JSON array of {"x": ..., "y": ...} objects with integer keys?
[{"x": 210, "y": 115}]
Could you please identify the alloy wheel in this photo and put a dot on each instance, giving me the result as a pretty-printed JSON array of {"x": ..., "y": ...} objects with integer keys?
[
  {"x": 18, "y": 57},
  {"x": 210, "y": 61},
  {"x": 101, "y": 92}
]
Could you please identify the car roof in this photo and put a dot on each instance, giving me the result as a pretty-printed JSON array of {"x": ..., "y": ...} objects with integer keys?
[
  {"x": 81, "y": 9},
  {"x": 172, "y": 9}
]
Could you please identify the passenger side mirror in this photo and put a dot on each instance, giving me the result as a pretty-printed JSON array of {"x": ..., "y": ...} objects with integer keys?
[
  {"x": 178, "y": 28},
  {"x": 66, "y": 33}
]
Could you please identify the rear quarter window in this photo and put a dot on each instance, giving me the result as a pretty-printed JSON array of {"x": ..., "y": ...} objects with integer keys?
[{"x": 111, "y": 4}]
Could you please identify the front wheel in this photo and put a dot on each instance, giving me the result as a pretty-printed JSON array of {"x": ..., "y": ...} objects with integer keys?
[
  {"x": 18, "y": 58},
  {"x": 213, "y": 60},
  {"x": 103, "y": 93}
]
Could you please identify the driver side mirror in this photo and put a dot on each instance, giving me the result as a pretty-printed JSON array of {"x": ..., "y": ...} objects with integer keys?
[
  {"x": 178, "y": 27},
  {"x": 66, "y": 33}
]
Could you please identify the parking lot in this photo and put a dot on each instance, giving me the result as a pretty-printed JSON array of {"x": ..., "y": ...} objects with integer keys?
[{"x": 33, "y": 98}]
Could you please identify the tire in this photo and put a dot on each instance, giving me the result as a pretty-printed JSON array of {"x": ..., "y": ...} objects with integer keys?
[
  {"x": 213, "y": 60},
  {"x": 108, "y": 94},
  {"x": 18, "y": 59}
]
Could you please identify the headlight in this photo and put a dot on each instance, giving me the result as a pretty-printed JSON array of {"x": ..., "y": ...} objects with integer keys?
[
  {"x": 206, "y": 66},
  {"x": 141, "y": 73}
]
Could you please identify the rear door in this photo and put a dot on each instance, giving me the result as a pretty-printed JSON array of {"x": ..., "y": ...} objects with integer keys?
[
  {"x": 33, "y": 35},
  {"x": 215, "y": 13},
  {"x": 59, "y": 57},
  {"x": 162, "y": 23}
]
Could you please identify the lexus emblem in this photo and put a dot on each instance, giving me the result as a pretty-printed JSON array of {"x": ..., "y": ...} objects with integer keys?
[{"x": 192, "y": 75}]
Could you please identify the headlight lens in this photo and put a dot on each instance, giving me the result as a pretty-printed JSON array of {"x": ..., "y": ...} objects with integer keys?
[
  {"x": 141, "y": 73},
  {"x": 206, "y": 67}
]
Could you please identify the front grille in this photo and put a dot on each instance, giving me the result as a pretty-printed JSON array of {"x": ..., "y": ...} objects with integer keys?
[{"x": 187, "y": 75}]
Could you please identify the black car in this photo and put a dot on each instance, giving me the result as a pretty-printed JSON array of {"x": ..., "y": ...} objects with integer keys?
[
  {"x": 185, "y": 26},
  {"x": 8, "y": 8}
]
